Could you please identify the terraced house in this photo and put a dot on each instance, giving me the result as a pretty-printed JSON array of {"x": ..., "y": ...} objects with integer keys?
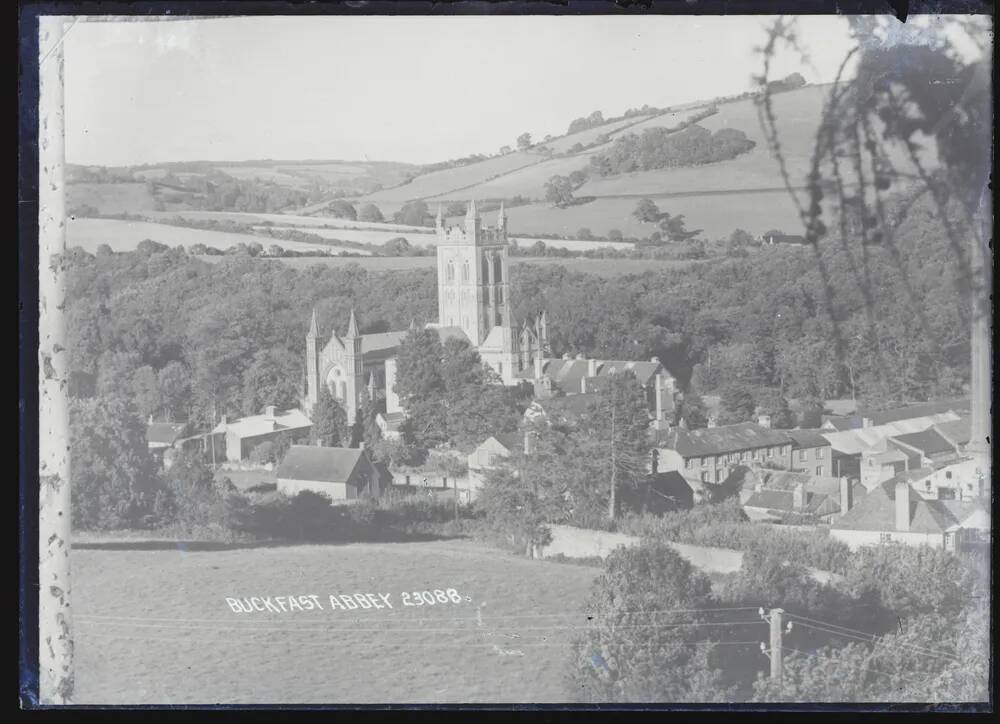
[{"x": 709, "y": 455}]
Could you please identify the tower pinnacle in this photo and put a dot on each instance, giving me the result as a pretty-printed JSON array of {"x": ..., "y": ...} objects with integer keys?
[
  {"x": 352, "y": 327},
  {"x": 313, "y": 331}
]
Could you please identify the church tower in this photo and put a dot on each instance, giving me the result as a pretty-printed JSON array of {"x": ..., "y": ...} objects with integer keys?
[
  {"x": 353, "y": 368},
  {"x": 472, "y": 288}
]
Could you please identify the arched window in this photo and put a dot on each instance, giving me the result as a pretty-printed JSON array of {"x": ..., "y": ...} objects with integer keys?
[
  {"x": 497, "y": 269},
  {"x": 451, "y": 271},
  {"x": 343, "y": 391},
  {"x": 486, "y": 271},
  {"x": 465, "y": 271}
]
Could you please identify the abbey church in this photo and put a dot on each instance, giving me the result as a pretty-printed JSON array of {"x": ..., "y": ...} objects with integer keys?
[{"x": 473, "y": 304}]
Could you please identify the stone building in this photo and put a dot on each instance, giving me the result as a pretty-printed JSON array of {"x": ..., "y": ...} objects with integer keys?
[{"x": 473, "y": 304}]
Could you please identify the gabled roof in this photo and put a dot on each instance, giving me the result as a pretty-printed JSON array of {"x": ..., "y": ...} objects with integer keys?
[
  {"x": 956, "y": 431},
  {"x": 511, "y": 440},
  {"x": 929, "y": 442},
  {"x": 392, "y": 420},
  {"x": 807, "y": 439},
  {"x": 262, "y": 424},
  {"x": 853, "y": 442},
  {"x": 784, "y": 480},
  {"x": 322, "y": 464},
  {"x": 921, "y": 409},
  {"x": 567, "y": 373},
  {"x": 164, "y": 433},
  {"x": 670, "y": 484},
  {"x": 784, "y": 501},
  {"x": 876, "y": 511},
  {"x": 725, "y": 439}
]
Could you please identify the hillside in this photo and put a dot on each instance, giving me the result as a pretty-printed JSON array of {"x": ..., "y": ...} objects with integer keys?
[{"x": 747, "y": 191}]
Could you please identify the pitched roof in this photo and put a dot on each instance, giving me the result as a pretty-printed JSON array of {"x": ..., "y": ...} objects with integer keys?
[
  {"x": 784, "y": 500},
  {"x": 670, "y": 484},
  {"x": 510, "y": 440},
  {"x": 262, "y": 424},
  {"x": 567, "y": 373},
  {"x": 957, "y": 431},
  {"x": 929, "y": 442},
  {"x": 392, "y": 420},
  {"x": 920, "y": 409},
  {"x": 567, "y": 406},
  {"x": 853, "y": 442},
  {"x": 876, "y": 511},
  {"x": 726, "y": 438},
  {"x": 322, "y": 464},
  {"x": 784, "y": 480},
  {"x": 807, "y": 438},
  {"x": 841, "y": 423},
  {"x": 164, "y": 433}
]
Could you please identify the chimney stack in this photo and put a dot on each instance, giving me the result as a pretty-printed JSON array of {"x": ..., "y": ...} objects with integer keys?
[
  {"x": 799, "y": 497},
  {"x": 319, "y": 442},
  {"x": 846, "y": 495},
  {"x": 712, "y": 422},
  {"x": 223, "y": 420},
  {"x": 539, "y": 364},
  {"x": 580, "y": 356},
  {"x": 591, "y": 368},
  {"x": 764, "y": 421},
  {"x": 269, "y": 412},
  {"x": 902, "y": 506}
]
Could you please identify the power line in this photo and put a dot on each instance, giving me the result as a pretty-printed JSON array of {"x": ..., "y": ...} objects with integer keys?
[
  {"x": 908, "y": 679},
  {"x": 290, "y": 629},
  {"x": 431, "y": 618},
  {"x": 873, "y": 640},
  {"x": 868, "y": 635}
]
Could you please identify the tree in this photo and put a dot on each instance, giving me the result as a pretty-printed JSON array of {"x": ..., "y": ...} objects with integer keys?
[
  {"x": 559, "y": 191},
  {"x": 366, "y": 427},
  {"x": 693, "y": 412},
  {"x": 615, "y": 235},
  {"x": 342, "y": 209},
  {"x": 514, "y": 513},
  {"x": 772, "y": 403},
  {"x": 504, "y": 150},
  {"x": 174, "y": 382},
  {"x": 114, "y": 478},
  {"x": 647, "y": 212},
  {"x": 271, "y": 379},
  {"x": 740, "y": 238},
  {"x": 736, "y": 404},
  {"x": 413, "y": 213},
  {"x": 584, "y": 233},
  {"x": 632, "y": 653},
  {"x": 329, "y": 420},
  {"x": 524, "y": 141},
  {"x": 615, "y": 431},
  {"x": 370, "y": 212}
]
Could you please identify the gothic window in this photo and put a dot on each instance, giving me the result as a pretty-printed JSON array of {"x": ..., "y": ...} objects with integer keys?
[
  {"x": 499, "y": 295},
  {"x": 451, "y": 271},
  {"x": 465, "y": 271},
  {"x": 343, "y": 391},
  {"x": 497, "y": 270},
  {"x": 486, "y": 270}
]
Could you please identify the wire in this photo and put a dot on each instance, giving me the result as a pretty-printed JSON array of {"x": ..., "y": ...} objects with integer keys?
[
  {"x": 873, "y": 640},
  {"x": 434, "y": 618},
  {"x": 289, "y": 629},
  {"x": 870, "y": 636}
]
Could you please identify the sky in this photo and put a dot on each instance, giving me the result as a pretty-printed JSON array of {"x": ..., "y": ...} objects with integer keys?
[{"x": 413, "y": 89}]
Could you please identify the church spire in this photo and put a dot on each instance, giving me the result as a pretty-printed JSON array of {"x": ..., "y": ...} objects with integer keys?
[
  {"x": 313, "y": 328},
  {"x": 472, "y": 213},
  {"x": 352, "y": 327},
  {"x": 501, "y": 217}
]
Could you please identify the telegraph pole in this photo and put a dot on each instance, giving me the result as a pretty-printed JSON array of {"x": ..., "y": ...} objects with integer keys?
[
  {"x": 775, "y": 652},
  {"x": 55, "y": 632}
]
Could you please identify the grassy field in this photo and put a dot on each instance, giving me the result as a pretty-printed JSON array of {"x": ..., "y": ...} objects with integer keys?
[
  {"x": 365, "y": 236},
  {"x": 111, "y": 198},
  {"x": 282, "y": 220},
  {"x": 450, "y": 179},
  {"x": 126, "y": 235},
  {"x": 153, "y": 626},
  {"x": 718, "y": 213}
]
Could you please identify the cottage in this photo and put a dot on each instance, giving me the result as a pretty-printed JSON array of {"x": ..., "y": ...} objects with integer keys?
[
  {"x": 894, "y": 513},
  {"x": 341, "y": 474},
  {"x": 925, "y": 449},
  {"x": 241, "y": 436},
  {"x": 778, "y": 495},
  {"x": 710, "y": 454},
  {"x": 811, "y": 452}
]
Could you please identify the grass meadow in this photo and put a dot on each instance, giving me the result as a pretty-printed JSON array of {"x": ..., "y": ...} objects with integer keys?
[{"x": 151, "y": 625}]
